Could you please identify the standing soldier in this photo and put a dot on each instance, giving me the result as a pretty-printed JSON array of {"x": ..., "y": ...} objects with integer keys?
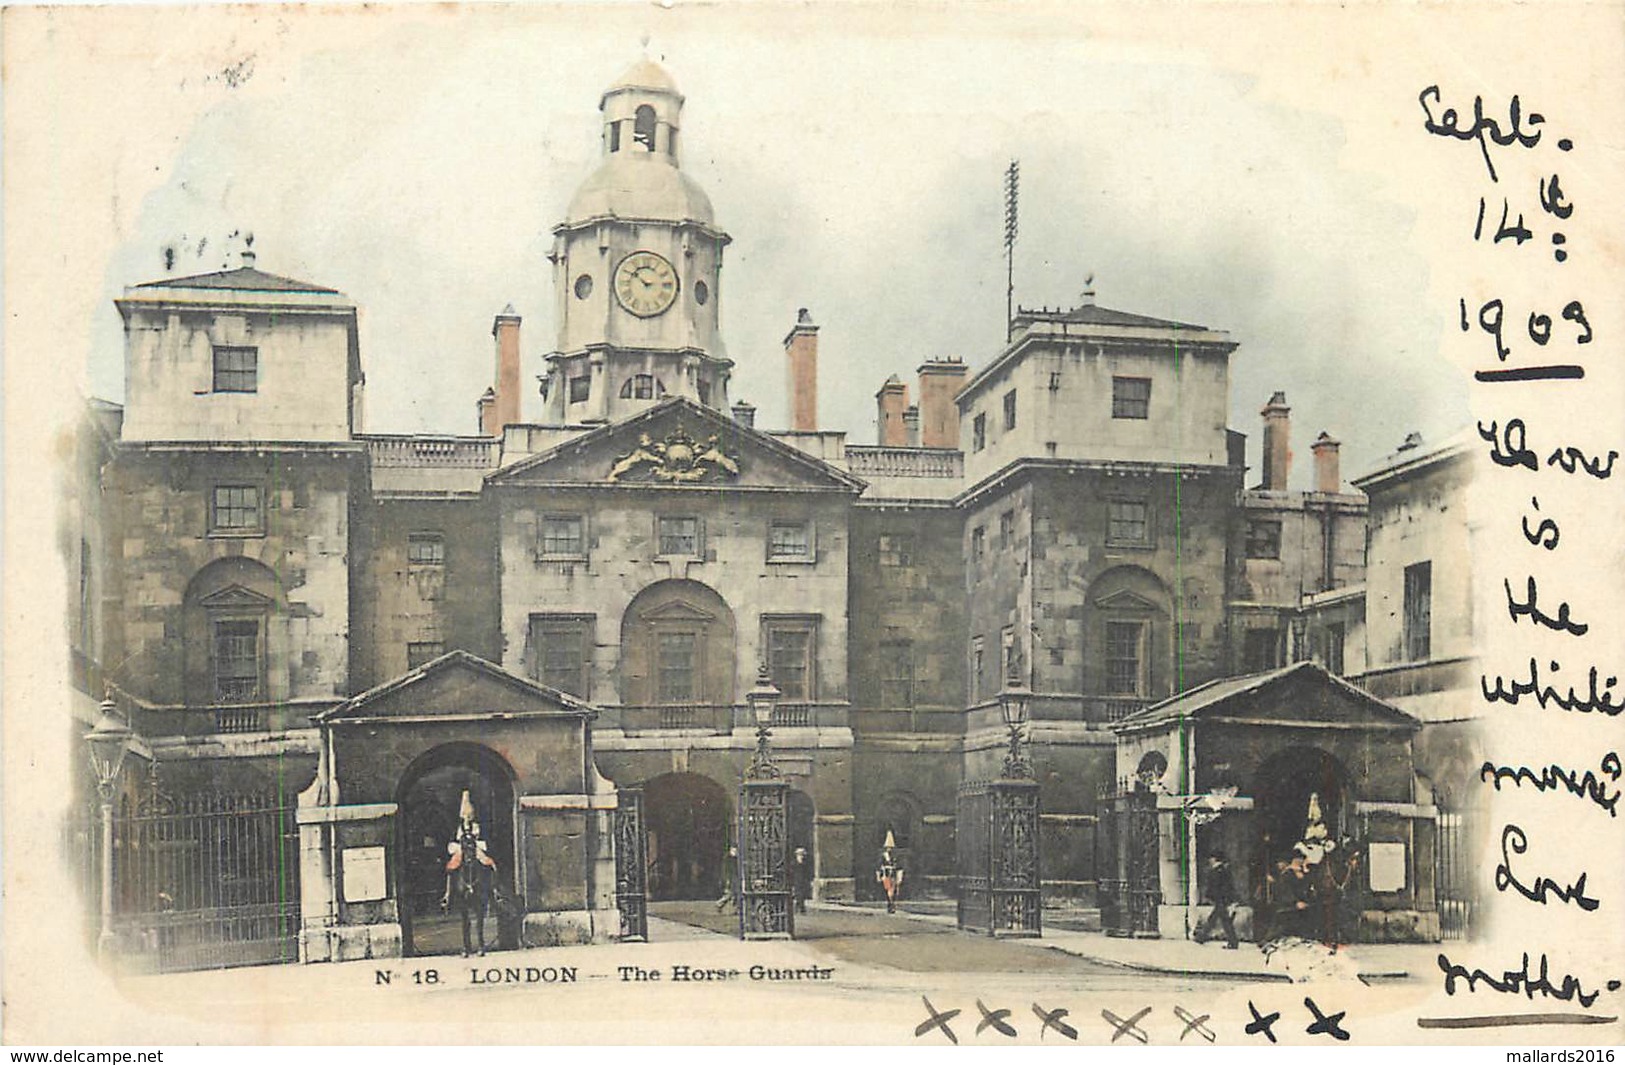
[
  {"x": 890, "y": 874},
  {"x": 730, "y": 879},
  {"x": 803, "y": 879}
]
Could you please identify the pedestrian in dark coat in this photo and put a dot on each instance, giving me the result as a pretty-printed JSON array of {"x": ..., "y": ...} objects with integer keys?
[{"x": 1221, "y": 891}]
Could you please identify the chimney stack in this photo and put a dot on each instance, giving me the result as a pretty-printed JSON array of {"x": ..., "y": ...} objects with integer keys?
[
  {"x": 1277, "y": 443},
  {"x": 940, "y": 382},
  {"x": 911, "y": 424},
  {"x": 745, "y": 414},
  {"x": 891, "y": 401},
  {"x": 1328, "y": 475},
  {"x": 801, "y": 355},
  {"x": 487, "y": 407},
  {"x": 248, "y": 258},
  {"x": 506, "y": 331}
]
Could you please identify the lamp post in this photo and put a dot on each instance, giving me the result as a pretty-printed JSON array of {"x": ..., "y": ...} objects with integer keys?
[
  {"x": 1013, "y": 703},
  {"x": 109, "y": 742},
  {"x": 764, "y": 888}
]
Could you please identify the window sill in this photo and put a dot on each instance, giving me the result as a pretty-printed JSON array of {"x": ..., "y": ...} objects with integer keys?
[
  {"x": 1131, "y": 545},
  {"x": 236, "y": 534},
  {"x": 541, "y": 557},
  {"x": 795, "y": 560}
]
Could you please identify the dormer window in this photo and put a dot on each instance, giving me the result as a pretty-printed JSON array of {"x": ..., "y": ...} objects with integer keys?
[
  {"x": 642, "y": 386},
  {"x": 236, "y": 369},
  {"x": 643, "y": 128}
]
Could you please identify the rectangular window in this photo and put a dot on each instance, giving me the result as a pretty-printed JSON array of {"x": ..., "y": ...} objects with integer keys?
[
  {"x": 1009, "y": 410},
  {"x": 1263, "y": 539},
  {"x": 1331, "y": 655},
  {"x": 679, "y": 536},
  {"x": 580, "y": 388},
  {"x": 897, "y": 674},
  {"x": 1007, "y": 525},
  {"x": 1128, "y": 522},
  {"x": 561, "y": 651},
  {"x": 235, "y": 508},
  {"x": 236, "y": 369},
  {"x": 1131, "y": 397},
  {"x": 789, "y": 540},
  {"x": 421, "y": 652},
  {"x": 977, "y": 544},
  {"x": 236, "y": 661},
  {"x": 978, "y": 432},
  {"x": 1124, "y": 642},
  {"x": 897, "y": 550},
  {"x": 562, "y": 536},
  {"x": 978, "y": 667},
  {"x": 1259, "y": 649},
  {"x": 790, "y": 658},
  {"x": 1418, "y": 611},
  {"x": 426, "y": 549},
  {"x": 676, "y": 666}
]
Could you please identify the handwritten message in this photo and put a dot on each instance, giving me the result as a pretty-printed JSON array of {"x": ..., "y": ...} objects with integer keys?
[{"x": 1534, "y": 335}]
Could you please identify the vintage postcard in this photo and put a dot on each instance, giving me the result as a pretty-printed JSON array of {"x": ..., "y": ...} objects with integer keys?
[{"x": 931, "y": 525}]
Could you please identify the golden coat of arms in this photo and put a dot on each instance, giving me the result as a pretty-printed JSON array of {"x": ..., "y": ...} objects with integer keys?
[{"x": 679, "y": 458}]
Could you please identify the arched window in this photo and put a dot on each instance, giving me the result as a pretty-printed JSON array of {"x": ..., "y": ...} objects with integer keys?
[
  {"x": 677, "y": 646},
  {"x": 642, "y": 386},
  {"x": 643, "y": 127},
  {"x": 1127, "y": 633},
  {"x": 231, "y": 609}
]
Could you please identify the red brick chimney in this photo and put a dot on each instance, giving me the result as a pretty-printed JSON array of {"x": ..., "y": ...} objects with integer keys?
[
  {"x": 506, "y": 331},
  {"x": 1328, "y": 475},
  {"x": 1277, "y": 442},
  {"x": 940, "y": 382},
  {"x": 890, "y": 402},
  {"x": 488, "y": 414},
  {"x": 801, "y": 355}
]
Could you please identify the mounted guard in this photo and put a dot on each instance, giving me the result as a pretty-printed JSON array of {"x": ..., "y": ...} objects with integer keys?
[{"x": 469, "y": 873}]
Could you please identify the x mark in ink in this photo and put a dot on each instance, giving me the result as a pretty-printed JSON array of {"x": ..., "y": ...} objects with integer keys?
[
  {"x": 1325, "y": 1025},
  {"x": 995, "y": 1019},
  {"x": 1131, "y": 1026},
  {"x": 1194, "y": 1024},
  {"x": 936, "y": 1020},
  {"x": 1261, "y": 1022},
  {"x": 1052, "y": 1019}
]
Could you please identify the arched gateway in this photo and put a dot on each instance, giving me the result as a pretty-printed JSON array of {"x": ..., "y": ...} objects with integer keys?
[{"x": 395, "y": 761}]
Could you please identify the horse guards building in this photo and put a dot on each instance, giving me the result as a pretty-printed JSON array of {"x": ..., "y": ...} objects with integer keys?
[{"x": 320, "y": 638}]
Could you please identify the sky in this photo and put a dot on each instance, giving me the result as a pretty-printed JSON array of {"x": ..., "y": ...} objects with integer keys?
[{"x": 417, "y": 163}]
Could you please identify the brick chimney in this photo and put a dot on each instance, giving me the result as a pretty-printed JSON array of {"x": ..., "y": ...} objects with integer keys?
[
  {"x": 1277, "y": 442},
  {"x": 1328, "y": 475},
  {"x": 745, "y": 414},
  {"x": 488, "y": 410},
  {"x": 940, "y": 382},
  {"x": 911, "y": 424},
  {"x": 891, "y": 401},
  {"x": 801, "y": 356},
  {"x": 505, "y": 329}
]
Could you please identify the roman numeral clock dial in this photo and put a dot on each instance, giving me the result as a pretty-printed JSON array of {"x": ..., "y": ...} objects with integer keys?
[{"x": 645, "y": 283}]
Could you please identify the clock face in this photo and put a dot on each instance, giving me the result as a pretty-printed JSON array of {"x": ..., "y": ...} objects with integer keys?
[{"x": 645, "y": 284}]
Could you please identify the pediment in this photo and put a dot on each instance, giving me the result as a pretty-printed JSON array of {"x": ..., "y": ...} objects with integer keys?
[
  {"x": 1302, "y": 694},
  {"x": 457, "y": 686},
  {"x": 236, "y": 597},
  {"x": 677, "y": 444},
  {"x": 677, "y": 610},
  {"x": 1125, "y": 600}
]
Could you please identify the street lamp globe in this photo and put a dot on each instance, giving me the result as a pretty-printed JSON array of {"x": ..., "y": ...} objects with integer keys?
[
  {"x": 109, "y": 742},
  {"x": 1013, "y": 702},
  {"x": 763, "y": 698}
]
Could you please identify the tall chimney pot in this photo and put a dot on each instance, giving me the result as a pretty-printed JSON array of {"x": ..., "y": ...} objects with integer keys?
[
  {"x": 1277, "y": 443},
  {"x": 801, "y": 358},
  {"x": 1328, "y": 475},
  {"x": 505, "y": 330},
  {"x": 890, "y": 403}
]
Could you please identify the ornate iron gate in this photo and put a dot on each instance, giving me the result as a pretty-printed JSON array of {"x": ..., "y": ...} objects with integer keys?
[
  {"x": 632, "y": 864},
  {"x": 1127, "y": 856},
  {"x": 1453, "y": 878},
  {"x": 766, "y": 909},
  {"x": 207, "y": 880},
  {"x": 998, "y": 858}
]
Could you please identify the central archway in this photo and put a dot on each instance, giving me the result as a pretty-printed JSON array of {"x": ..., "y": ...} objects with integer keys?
[
  {"x": 430, "y": 795},
  {"x": 688, "y": 818}
]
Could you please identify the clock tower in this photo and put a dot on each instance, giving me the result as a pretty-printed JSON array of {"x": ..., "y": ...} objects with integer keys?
[{"x": 636, "y": 267}]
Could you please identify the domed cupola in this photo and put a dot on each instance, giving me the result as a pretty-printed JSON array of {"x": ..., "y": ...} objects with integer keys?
[{"x": 636, "y": 266}]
